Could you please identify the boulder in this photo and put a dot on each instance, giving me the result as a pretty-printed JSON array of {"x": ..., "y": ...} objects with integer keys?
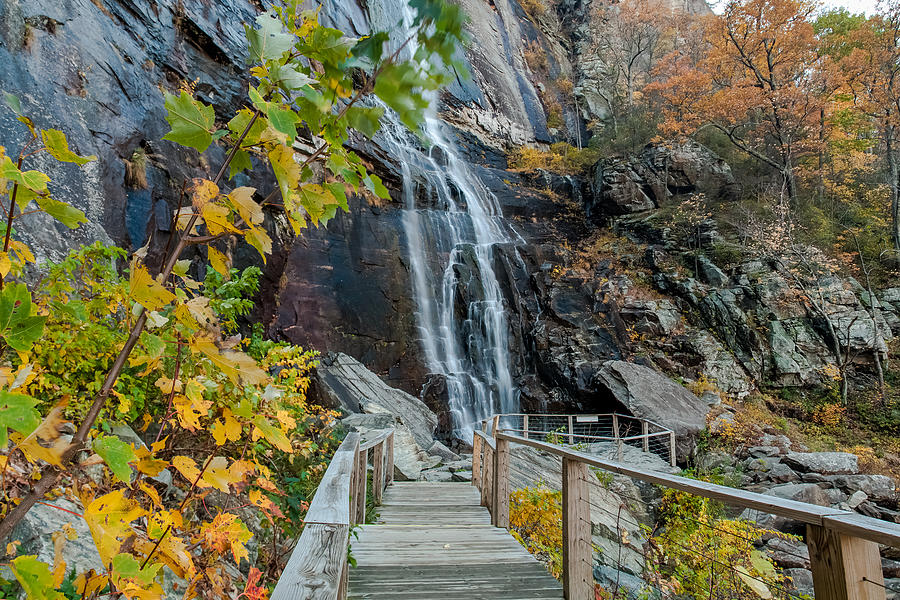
[
  {"x": 825, "y": 463},
  {"x": 648, "y": 394},
  {"x": 801, "y": 492},
  {"x": 788, "y": 554},
  {"x": 879, "y": 488},
  {"x": 346, "y": 383},
  {"x": 35, "y": 532},
  {"x": 623, "y": 585},
  {"x": 800, "y": 581},
  {"x": 437, "y": 475},
  {"x": 690, "y": 168},
  {"x": 622, "y": 186}
]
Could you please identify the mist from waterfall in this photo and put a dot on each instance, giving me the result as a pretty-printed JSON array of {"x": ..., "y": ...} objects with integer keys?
[{"x": 451, "y": 238}]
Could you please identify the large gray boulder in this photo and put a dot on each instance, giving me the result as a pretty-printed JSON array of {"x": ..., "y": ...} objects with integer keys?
[
  {"x": 648, "y": 394},
  {"x": 36, "y": 531},
  {"x": 825, "y": 463},
  {"x": 343, "y": 382}
]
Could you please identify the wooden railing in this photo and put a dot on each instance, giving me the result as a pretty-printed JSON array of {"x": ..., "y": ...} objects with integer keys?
[
  {"x": 581, "y": 429},
  {"x": 317, "y": 568},
  {"x": 843, "y": 545}
]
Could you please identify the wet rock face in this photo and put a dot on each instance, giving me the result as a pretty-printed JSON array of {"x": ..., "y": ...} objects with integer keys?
[{"x": 93, "y": 70}]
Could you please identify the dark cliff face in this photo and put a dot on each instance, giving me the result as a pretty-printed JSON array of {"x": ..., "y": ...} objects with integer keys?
[{"x": 94, "y": 69}]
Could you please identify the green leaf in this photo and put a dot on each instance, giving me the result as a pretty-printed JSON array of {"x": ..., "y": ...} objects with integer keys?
[
  {"x": 35, "y": 578},
  {"x": 58, "y": 147},
  {"x": 116, "y": 454},
  {"x": 288, "y": 78},
  {"x": 192, "y": 122},
  {"x": 269, "y": 41},
  {"x": 373, "y": 183},
  {"x": 66, "y": 214},
  {"x": 286, "y": 169},
  {"x": 240, "y": 162},
  {"x": 284, "y": 120},
  {"x": 17, "y": 412},
  {"x": 367, "y": 121},
  {"x": 14, "y": 103},
  {"x": 20, "y": 326},
  {"x": 272, "y": 434},
  {"x": 33, "y": 180}
]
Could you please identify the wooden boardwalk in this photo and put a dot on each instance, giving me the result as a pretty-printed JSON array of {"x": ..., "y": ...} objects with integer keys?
[{"x": 436, "y": 541}]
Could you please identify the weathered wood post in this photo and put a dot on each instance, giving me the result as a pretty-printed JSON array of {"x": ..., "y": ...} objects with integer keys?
[
  {"x": 844, "y": 567},
  {"x": 362, "y": 459},
  {"x": 616, "y": 436},
  {"x": 672, "y": 448},
  {"x": 645, "y": 432},
  {"x": 476, "y": 460},
  {"x": 500, "y": 513},
  {"x": 571, "y": 438},
  {"x": 525, "y": 426},
  {"x": 578, "y": 577},
  {"x": 487, "y": 477},
  {"x": 389, "y": 466},
  {"x": 378, "y": 471},
  {"x": 495, "y": 425}
]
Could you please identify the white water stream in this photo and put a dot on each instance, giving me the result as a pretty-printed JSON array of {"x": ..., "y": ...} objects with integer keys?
[{"x": 451, "y": 243}]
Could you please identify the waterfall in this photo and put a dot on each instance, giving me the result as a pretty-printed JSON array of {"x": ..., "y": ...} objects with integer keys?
[{"x": 451, "y": 239}]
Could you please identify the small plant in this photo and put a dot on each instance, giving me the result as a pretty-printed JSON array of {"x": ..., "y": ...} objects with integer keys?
[{"x": 535, "y": 520}]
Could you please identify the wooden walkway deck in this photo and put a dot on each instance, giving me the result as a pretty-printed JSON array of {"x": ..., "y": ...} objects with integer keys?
[{"x": 435, "y": 540}]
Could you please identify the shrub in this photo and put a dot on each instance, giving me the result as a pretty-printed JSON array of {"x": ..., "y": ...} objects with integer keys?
[{"x": 535, "y": 520}]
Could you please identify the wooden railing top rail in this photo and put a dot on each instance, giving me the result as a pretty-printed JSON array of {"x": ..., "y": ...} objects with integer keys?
[
  {"x": 488, "y": 439},
  {"x": 841, "y": 521},
  {"x": 581, "y": 435},
  {"x": 573, "y": 415},
  {"x": 368, "y": 444}
]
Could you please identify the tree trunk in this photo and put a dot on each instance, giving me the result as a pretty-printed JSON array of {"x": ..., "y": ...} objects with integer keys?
[{"x": 894, "y": 174}]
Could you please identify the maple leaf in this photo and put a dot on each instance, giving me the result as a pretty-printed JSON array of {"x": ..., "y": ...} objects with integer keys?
[
  {"x": 219, "y": 476},
  {"x": 227, "y": 532},
  {"x": 190, "y": 411},
  {"x": 147, "y": 291},
  {"x": 252, "y": 591},
  {"x": 109, "y": 518},
  {"x": 149, "y": 464},
  {"x": 45, "y": 442},
  {"x": 236, "y": 365},
  {"x": 226, "y": 428}
]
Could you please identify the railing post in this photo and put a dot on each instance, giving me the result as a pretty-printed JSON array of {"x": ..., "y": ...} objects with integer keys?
[
  {"x": 495, "y": 425},
  {"x": 672, "y": 448},
  {"x": 487, "y": 477},
  {"x": 525, "y": 426},
  {"x": 578, "y": 577},
  {"x": 571, "y": 438},
  {"x": 378, "y": 471},
  {"x": 615, "y": 426},
  {"x": 645, "y": 431},
  {"x": 389, "y": 467},
  {"x": 844, "y": 567},
  {"x": 362, "y": 459},
  {"x": 500, "y": 513},
  {"x": 477, "y": 443}
]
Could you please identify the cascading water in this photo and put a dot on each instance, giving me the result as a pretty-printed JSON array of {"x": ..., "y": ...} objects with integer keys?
[{"x": 451, "y": 241}]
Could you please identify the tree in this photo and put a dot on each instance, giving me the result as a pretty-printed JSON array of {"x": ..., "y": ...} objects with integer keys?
[
  {"x": 309, "y": 82},
  {"x": 758, "y": 84},
  {"x": 871, "y": 67}
]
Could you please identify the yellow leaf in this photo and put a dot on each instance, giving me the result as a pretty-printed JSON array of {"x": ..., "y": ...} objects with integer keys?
[
  {"x": 219, "y": 476},
  {"x": 219, "y": 262},
  {"x": 203, "y": 192},
  {"x": 22, "y": 250},
  {"x": 59, "y": 564},
  {"x": 146, "y": 291},
  {"x": 259, "y": 239},
  {"x": 5, "y": 264},
  {"x": 187, "y": 467},
  {"x": 152, "y": 493},
  {"x": 236, "y": 365},
  {"x": 45, "y": 442},
  {"x": 148, "y": 464},
  {"x": 166, "y": 385},
  {"x": 227, "y": 532},
  {"x": 90, "y": 583},
  {"x": 190, "y": 412},
  {"x": 217, "y": 219},
  {"x": 242, "y": 201},
  {"x": 109, "y": 518},
  {"x": 226, "y": 428}
]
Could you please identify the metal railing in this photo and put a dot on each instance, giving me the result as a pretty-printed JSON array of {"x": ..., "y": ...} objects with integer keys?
[
  {"x": 318, "y": 568},
  {"x": 843, "y": 546},
  {"x": 580, "y": 430}
]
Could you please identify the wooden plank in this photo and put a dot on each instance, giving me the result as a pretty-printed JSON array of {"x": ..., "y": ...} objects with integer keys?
[
  {"x": 645, "y": 435},
  {"x": 578, "y": 579},
  {"x": 495, "y": 425},
  {"x": 571, "y": 438},
  {"x": 500, "y": 513},
  {"x": 331, "y": 502},
  {"x": 389, "y": 467},
  {"x": 368, "y": 444},
  {"x": 525, "y": 426},
  {"x": 844, "y": 567},
  {"x": 315, "y": 569},
  {"x": 791, "y": 509},
  {"x": 378, "y": 471},
  {"x": 672, "y": 448},
  {"x": 857, "y": 525},
  {"x": 476, "y": 461}
]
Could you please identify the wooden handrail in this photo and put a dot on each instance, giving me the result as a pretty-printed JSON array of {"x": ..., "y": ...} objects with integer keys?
[
  {"x": 317, "y": 568},
  {"x": 843, "y": 545}
]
